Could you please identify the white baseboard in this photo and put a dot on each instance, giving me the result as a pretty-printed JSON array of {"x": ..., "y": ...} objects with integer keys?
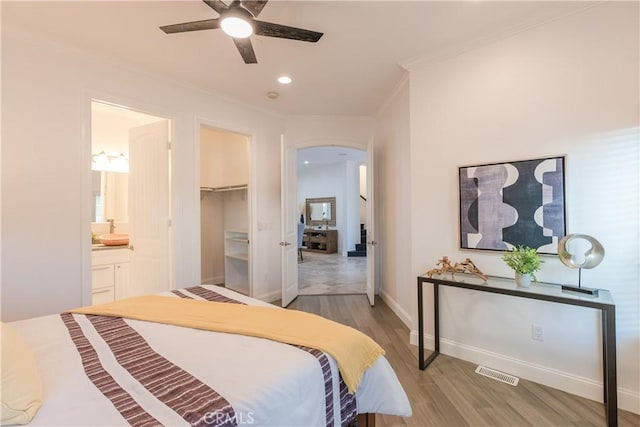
[
  {"x": 395, "y": 307},
  {"x": 585, "y": 387},
  {"x": 215, "y": 280},
  {"x": 629, "y": 400},
  {"x": 270, "y": 296}
]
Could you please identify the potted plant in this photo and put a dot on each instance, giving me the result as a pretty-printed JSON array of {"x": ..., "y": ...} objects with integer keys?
[{"x": 525, "y": 261}]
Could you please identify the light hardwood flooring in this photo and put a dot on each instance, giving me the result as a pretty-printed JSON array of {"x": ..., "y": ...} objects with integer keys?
[
  {"x": 448, "y": 392},
  {"x": 322, "y": 274}
]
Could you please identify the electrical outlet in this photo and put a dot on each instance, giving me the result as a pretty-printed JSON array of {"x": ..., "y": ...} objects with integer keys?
[{"x": 537, "y": 332}]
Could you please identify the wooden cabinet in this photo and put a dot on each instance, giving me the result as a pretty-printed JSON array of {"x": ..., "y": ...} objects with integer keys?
[
  {"x": 236, "y": 260},
  {"x": 325, "y": 241},
  {"x": 109, "y": 275}
]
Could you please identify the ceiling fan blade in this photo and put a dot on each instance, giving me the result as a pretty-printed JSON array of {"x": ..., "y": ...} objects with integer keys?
[
  {"x": 216, "y": 5},
  {"x": 270, "y": 29},
  {"x": 254, "y": 6},
  {"x": 246, "y": 50},
  {"x": 207, "y": 24}
]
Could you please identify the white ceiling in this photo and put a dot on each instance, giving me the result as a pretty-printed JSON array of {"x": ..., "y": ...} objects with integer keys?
[
  {"x": 350, "y": 71},
  {"x": 327, "y": 155}
]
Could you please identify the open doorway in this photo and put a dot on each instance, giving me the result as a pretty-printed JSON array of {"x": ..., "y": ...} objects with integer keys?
[
  {"x": 224, "y": 209},
  {"x": 331, "y": 199},
  {"x": 130, "y": 202}
]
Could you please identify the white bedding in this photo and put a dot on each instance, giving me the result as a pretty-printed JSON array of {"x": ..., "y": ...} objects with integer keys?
[{"x": 266, "y": 382}]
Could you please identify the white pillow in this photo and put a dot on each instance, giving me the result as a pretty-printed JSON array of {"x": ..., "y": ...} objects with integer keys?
[{"x": 21, "y": 388}]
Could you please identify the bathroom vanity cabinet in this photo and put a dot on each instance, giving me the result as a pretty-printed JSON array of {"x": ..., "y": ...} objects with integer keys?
[{"x": 109, "y": 275}]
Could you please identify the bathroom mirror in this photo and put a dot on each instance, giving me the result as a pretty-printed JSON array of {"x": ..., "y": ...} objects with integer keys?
[
  {"x": 321, "y": 211},
  {"x": 110, "y": 196}
]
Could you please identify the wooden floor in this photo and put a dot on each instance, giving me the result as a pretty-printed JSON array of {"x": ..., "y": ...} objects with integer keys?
[{"x": 448, "y": 392}]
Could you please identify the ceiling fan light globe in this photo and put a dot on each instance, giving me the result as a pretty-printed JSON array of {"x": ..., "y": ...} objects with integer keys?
[{"x": 236, "y": 27}]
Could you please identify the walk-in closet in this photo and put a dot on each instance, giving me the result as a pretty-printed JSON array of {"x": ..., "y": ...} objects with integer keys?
[{"x": 224, "y": 209}]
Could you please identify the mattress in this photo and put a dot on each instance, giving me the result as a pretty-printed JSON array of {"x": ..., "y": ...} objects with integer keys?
[{"x": 170, "y": 375}]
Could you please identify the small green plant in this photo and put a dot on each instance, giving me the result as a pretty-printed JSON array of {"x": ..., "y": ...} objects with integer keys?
[{"x": 523, "y": 260}]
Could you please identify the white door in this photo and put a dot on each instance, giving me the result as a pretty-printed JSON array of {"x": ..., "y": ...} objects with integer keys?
[
  {"x": 149, "y": 208},
  {"x": 371, "y": 242},
  {"x": 289, "y": 226}
]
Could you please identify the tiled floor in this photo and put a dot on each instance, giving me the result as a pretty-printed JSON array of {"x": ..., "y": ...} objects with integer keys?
[{"x": 322, "y": 274}]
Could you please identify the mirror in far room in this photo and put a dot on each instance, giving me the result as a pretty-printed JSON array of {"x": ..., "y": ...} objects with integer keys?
[
  {"x": 321, "y": 211},
  {"x": 110, "y": 196}
]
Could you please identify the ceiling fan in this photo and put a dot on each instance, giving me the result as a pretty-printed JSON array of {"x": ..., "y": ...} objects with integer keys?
[{"x": 239, "y": 21}]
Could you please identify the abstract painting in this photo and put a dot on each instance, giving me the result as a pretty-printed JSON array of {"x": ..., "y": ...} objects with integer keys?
[{"x": 503, "y": 205}]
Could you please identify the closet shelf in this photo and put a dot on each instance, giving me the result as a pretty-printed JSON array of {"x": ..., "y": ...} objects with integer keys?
[
  {"x": 238, "y": 239},
  {"x": 241, "y": 257},
  {"x": 236, "y": 260},
  {"x": 233, "y": 231},
  {"x": 227, "y": 188}
]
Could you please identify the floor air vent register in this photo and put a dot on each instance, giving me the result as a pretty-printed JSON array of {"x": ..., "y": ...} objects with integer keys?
[{"x": 497, "y": 375}]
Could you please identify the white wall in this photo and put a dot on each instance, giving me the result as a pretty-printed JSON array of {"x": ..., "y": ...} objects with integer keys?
[
  {"x": 212, "y": 237},
  {"x": 568, "y": 87},
  {"x": 326, "y": 180},
  {"x": 309, "y": 131},
  {"x": 397, "y": 283},
  {"x": 46, "y": 177}
]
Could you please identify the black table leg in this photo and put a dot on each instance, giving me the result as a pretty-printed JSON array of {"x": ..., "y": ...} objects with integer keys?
[
  {"x": 436, "y": 318},
  {"x": 609, "y": 365},
  {"x": 421, "y": 364}
]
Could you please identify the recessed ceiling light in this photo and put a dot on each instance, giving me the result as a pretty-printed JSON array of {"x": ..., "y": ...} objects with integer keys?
[
  {"x": 272, "y": 94},
  {"x": 306, "y": 162},
  {"x": 285, "y": 80}
]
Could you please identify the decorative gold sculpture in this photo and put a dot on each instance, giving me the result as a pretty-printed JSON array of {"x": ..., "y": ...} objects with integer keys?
[{"x": 467, "y": 266}]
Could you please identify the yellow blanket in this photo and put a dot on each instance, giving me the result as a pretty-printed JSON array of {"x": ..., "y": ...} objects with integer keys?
[{"x": 353, "y": 350}]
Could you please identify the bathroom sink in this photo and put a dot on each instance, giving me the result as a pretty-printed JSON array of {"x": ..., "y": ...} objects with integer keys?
[{"x": 115, "y": 239}]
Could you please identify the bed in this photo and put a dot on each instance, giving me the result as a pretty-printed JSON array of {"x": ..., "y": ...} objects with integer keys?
[{"x": 99, "y": 371}]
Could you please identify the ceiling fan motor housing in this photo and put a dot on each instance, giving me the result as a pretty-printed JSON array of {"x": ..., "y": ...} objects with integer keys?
[{"x": 237, "y": 22}]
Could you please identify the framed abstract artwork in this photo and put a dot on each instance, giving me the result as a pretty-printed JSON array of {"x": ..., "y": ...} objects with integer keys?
[{"x": 503, "y": 205}]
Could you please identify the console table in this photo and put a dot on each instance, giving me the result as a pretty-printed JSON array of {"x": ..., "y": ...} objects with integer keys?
[
  {"x": 325, "y": 241},
  {"x": 538, "y": 291}
]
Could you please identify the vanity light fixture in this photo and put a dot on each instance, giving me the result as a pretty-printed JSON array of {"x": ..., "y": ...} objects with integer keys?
[
  {"x": 120, "y": 163},
  {"x": 100, "y": 161},
  {"x": 285, "y": 80},
  {"x": 104, "y": 162}
]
